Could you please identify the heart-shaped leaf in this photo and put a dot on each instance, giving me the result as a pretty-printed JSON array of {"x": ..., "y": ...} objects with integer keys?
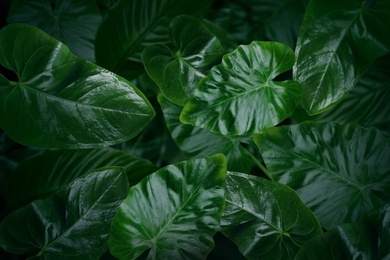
[
  {"x": 368, "y": 239},
  {"x": 61, "y": 100},
  {"x": 130, "y": 26},
  {"x": 177, "y": 70},
  {"x": 196, "y": 142},
  {"x": 341, "y": 173},
  {"x": 72, "y": 22},
  {"x": 240, "y": 97},
  {"x": 266, "y": 220},
  {"x": 47, "y": 172},
  {"x": 72, "y": 223},
  {"x": 338, "y": 41},
  {"x": 174, "y": 212}
]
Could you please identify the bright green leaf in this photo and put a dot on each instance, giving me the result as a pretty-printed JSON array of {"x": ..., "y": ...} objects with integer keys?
[
  {"x": 338, "y": 41},
  {"x": 196, "y": 142},
  {"x": 72, "y": 22},
  {"x": 130, "y": 26},
  {"x": 174, "y": 212},
  {"x": 341, "y": 173},
  {"x": 47, "y": 172},
  {"x": 61, "y": 100},
  {"x": 72, "y": 223},
  {"x": 240, "y": 97},
  {"x": 368, "y": 239},
  {"x": 178, "y": 70},
  {"x": 266, "y": 220}
]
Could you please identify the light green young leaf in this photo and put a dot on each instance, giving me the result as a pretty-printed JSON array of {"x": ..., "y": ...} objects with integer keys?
[
  {"x": 266, "y": 220},
  {"x": 174, "y": 212},
  {"x": 240, "y": 96},
  {"x": 72, "y": 223},
  {"x": 62, "y": 101},
  {"x": 337, "y": 42},
  {"x": 196, "y": 142},
  {"x": 130, "y": 26},
  {"x": 340, "y": 172},
  {"x": 72, "y": 22},
  {"x": 49, "y": 171},
  {"x": 177, "y": 70},
  {"x": 367, "y": 239}
]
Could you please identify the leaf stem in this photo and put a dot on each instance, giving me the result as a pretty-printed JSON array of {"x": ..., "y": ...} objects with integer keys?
[{"x": 13, "y": 83}]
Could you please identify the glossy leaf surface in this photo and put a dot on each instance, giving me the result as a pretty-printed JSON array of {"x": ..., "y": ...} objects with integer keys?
[
  {"x": 196, "y": 142},
  {"x": 367, "y": 103},
  {"x": 174, "y": 212},
  {"x": 266, "y": 220},
  {"x": 49, "y": 171},
  {"x": 130, "y": 26},
  {"x": 61, "y": 100},
  {"x": 72, "y": 22},
  {"x": 368, "y": 239},
  {"x": 338, "y": 41},
  {"x": 72, "y": 223},
  {"x": 177, "y": 70},
  {"x": 340, "y": 173},
  {"x": 240, "y": 97}
]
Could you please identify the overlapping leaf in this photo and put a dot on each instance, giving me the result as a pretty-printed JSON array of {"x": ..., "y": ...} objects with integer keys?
[
  {"x": 240, "y": 97},
  {"x": 338, "y": 41},
  {"x": 61, "y": 100},
  {"x": 72, "y": 22},
  {"x": 367, "y": 103},
  {"x": 177, "y": 70},
  {"x": 72, "y": 223},
  {"x": 368, "y": 239},
  {"x": 47, "y": 172},
  {"x": 174, "y": 212},
  {"x": 340, "y": 173},
  {"x": 196, "y": 142},
  {"x": 130, "y": 26},
  {"x": 266, "y": 220}
]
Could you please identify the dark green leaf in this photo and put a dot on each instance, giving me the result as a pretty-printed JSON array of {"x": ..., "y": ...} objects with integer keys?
[
  {"x": 72, "y": 22},
  {"x": 178, "y": 70},
  {"x": 338, "y": 41},
  {"x": 196, "y": 142},
  {"x": 266, "y": 220},
  {"x": 72, "y": 223},
  {"x": 61, "y": 100},
  {"x": 248, "y": 20},
  {"x": 49, "y": 171},
  {"x": 368, "y": 239},
  {"x": 130, "y": 26},
  {"x": 174, "y": 212},
  {"x": 341, "y": 173},
  {"x": 367, "y": 103},
  {"x": 240, "y": 97}
]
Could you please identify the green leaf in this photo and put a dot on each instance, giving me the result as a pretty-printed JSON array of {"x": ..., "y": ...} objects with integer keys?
[
  {"x": 174, "y": 212},
  {"x": 130, "y": 26},
  {"x": 266, "y": 220},
  {"x": 368, "y": 239},
  {"x": 340, "y": 172},
  {"x": 240, "y": 97},
  {"x": 367, "y": 103},
  {"x": 338, "y": 41},
  {"x": 177, "y": 70},
  {"x": 266, "y": 20},
  {"x": 72, "y": 223},
  {"x": 196, "y": 142},
  {"x": 49, "y": 171},
  {"x": 72, "y": 22},
  {"x": 61, "y": 100}
]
